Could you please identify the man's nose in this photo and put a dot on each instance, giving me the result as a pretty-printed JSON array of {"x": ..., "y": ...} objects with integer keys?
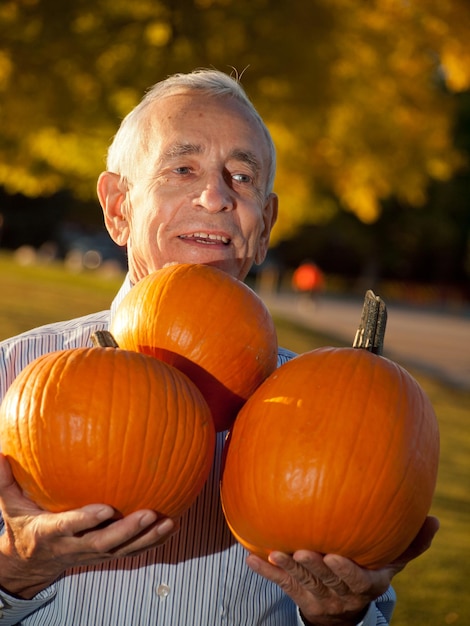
[{"x": 216, "y": 194}]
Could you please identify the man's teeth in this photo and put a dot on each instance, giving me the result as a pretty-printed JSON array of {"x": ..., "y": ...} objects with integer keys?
[{"x": 210, "y": 236}]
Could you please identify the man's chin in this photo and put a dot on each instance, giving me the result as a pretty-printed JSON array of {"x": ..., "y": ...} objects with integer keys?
[
  {"x": 234, "y": 267},
  {"x": 231, "y": 266}
]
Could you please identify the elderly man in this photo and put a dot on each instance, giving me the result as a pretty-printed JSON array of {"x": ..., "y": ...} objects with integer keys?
[{"x": 189, "y": 179}]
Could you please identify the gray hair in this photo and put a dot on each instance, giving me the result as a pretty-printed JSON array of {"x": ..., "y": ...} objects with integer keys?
[{"x": 132, "y": 138}]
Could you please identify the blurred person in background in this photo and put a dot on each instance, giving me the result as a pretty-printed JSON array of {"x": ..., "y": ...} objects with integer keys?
[{"x": 308, "y": 281}]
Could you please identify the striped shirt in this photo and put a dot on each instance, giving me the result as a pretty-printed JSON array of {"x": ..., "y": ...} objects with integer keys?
[{"x": 197, "y": 578}]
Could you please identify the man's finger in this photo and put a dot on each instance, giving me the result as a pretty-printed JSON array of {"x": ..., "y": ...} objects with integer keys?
[
  {"x": 420, "y": 544},
  {"x": 7, "y": 480},
  {"x": 79, "y": 521}
]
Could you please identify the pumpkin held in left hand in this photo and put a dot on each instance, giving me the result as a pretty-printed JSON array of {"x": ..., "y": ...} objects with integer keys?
[
  {"x": 336, "y": 452},
  {"x": 103, "y": 425}
]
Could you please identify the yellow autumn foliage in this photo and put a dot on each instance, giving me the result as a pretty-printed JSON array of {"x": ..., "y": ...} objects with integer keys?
[{"x": 358, "y": 95}]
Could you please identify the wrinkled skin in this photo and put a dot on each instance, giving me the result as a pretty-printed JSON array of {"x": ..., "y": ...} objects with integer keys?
[
  {"x": 333, "y": 590},
  {"x": 201, "y": 196}
]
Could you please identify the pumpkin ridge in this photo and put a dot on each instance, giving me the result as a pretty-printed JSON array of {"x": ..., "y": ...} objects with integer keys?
[
  {"x": 50, "y": 382},
  {"x": 321, "y": 426},
  {"x": 70, "y": 404},
  {"x": 15, "y": 433},
  {"x": 333, "y": 540},
  {"x": 32, "y": 437},
  {"x": 38, "y": 440},
  {"x": 150, "y": 447},
  {"x": 119, "y": 480},
  {"x": 100, "y": 418},
  {"x": 400, "y": 500},
  {"x": 146, "y": 475},
  {"x": 357, "y": 535},
  {"x": 370, "y": 399},
  {"x": 338, "y": 541},
  {"x": 168, "y": 459},
  {"x": 20, "y": 437},
  {"x": 175, "y": 432},
  {"x": 185, "y": 488}
]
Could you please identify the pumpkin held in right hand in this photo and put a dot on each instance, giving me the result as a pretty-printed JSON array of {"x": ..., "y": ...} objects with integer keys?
[
  {"x": 337, "y": 452},
  {"x": 103, "y": 425}
]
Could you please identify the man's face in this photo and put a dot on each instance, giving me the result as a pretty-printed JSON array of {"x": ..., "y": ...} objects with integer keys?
[{"x": 200, "y": 195}]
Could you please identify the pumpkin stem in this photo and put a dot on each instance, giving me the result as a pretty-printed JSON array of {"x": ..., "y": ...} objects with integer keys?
[
  {"x": 371, "y": 332},
  {"x": 103, "y": 339}
]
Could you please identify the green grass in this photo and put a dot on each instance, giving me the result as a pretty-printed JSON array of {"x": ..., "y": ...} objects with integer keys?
[
  {"x": 33, "y": 295},
  {"x": 433, "y": 590}
]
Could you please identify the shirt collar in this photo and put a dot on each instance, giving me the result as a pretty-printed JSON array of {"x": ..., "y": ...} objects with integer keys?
[{"x": 123, "y": 291}]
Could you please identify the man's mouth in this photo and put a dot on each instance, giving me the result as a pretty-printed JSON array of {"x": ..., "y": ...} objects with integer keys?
[{"x": 207, "y": 238}]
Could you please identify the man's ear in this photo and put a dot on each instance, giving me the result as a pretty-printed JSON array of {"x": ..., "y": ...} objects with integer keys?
[
  {"x": 269, "y": 219},
  {"x": 111, "y": 191}
]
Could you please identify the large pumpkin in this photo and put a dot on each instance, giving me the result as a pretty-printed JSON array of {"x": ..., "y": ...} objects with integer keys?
[
  {"x": 93, "y": 425},
  {"x": 337, "y": 452},
  {"x": 207, "y": 324}
]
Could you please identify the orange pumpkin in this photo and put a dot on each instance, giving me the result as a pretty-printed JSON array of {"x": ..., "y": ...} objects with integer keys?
[
  {"x": 206, "y": 323},
  {"x": 93, "y": 425},
  {"x": 337, "y": 452}
]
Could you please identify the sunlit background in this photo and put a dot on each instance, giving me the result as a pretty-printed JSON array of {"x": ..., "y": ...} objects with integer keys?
[{"x": 368, "y": 103}]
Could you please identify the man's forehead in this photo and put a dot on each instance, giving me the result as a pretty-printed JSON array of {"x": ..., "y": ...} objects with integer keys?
[
  {"x": 175, "y": 106},
  {"x": 178, "y": 138}
]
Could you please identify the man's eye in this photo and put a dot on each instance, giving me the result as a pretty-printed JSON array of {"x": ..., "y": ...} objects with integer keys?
[
  {"x": 242, "y": 178},
  {"x": 182, "y": 170}
]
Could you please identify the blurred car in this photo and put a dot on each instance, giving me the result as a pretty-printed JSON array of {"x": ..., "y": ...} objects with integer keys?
[{"x": 91, "y": 250}]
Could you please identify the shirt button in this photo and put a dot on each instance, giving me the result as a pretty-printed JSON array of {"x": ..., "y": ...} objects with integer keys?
[{"x": 163, "y": 591}]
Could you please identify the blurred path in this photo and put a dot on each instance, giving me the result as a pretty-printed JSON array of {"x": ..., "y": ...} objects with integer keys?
[{"x": 433, "y": 342}]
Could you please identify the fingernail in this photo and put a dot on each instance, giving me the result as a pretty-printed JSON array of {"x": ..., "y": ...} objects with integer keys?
[
  {"x": 147, "y": 519},
  {"x": 277, "y": 558},
  {"x": 254, "y": 562},
  {"x": 101, "y": 512},
  {"x": 166, "y": 526}
]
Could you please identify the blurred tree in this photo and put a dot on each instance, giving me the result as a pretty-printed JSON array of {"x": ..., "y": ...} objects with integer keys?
[{"x": 357, "y": 93}]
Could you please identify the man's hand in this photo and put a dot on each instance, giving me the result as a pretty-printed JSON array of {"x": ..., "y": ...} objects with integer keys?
[
  {"x": 331, "y": 590},
  {"x": 38, "y": 546}
]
